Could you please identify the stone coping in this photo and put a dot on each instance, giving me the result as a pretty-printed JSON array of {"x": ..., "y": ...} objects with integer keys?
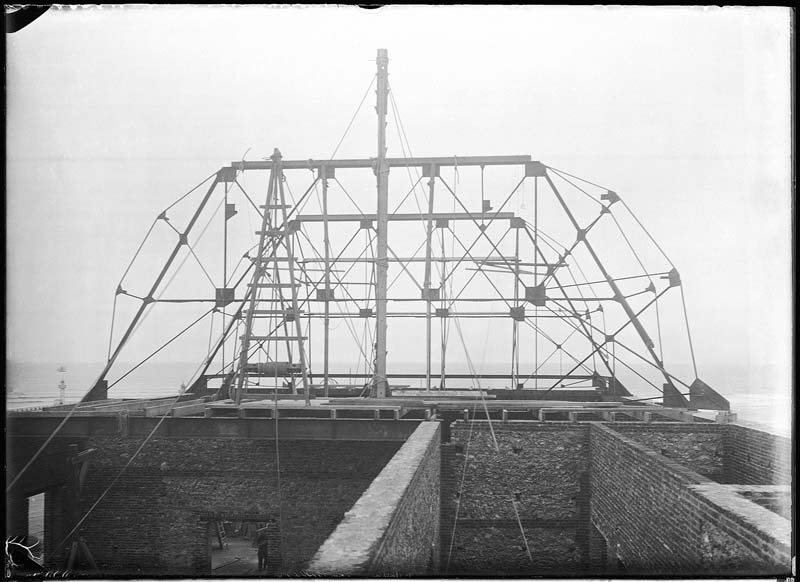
[
  {"x": 727, "y": 498},
  {"x": 750, "y": 514},
  {"x": 351, "y": 547}
]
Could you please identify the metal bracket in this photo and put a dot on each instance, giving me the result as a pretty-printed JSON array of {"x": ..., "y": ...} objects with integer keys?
[
  {"x": 327, "y": 172},
  {"x": 224, "y": 296},
  {"x": 430, "y": 171},
  {"x": 230, "y": 210},
  {"x": 430, "y": 294},
  {"x": 226, "y": 174},
  {"x": 325, "y": 294},
  {"x": 674, "y": 278},
  {"x": 673, "y": 398},
  {"x": 534, "y": 169},
  {"x": 536, "y": 295},
  {"x": 704, "y": 397}
]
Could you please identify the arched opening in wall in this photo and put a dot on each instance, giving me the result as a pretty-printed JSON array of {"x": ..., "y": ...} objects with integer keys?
[{"x": 244, "y": 547}]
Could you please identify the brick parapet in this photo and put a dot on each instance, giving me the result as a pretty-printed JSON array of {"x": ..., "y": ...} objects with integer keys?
[
  {"x": 696, "y": 446},
  {"x": 673, "y": 521},
  {"x": 756, "y": 457}
]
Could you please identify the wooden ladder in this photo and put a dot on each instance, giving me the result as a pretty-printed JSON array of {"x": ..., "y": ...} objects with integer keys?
[{"x": 274, "y": 275}]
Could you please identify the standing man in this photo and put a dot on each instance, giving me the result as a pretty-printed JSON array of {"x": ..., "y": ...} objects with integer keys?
[{"x": 262, "y": 543}]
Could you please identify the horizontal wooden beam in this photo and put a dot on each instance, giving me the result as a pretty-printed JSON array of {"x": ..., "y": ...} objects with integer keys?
[
  {"x": 492, "y": 261},
  {"x": 162, "y": 408},
  {"x": 215, "y": 427},
  {"x": 407, "y": 217},
  {"x": 451, "y": 161}
]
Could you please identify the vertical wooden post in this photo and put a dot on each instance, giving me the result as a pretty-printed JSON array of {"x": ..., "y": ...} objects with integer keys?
[
  {"x": 427, "y": 282},
  {"x": 326, "y": 242},
  {"x": 382, "y": 272}
]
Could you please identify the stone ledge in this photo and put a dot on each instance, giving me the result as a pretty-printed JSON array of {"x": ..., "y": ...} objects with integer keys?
[
  {"x": 749, "y": 514},
  {"x": 352, "y": 546}
]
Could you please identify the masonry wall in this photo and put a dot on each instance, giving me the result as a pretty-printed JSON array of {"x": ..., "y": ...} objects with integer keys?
[
  {"x": 393, "y": 529},
  {"x": 156, "y": 517},
  {"x": 656, "y": 495},
  {"x": 755, "y": 457},
  {"x": 660, "y": 517},
  {"x": 411, "y": 543},
  {"x": 48, "y": 468},
  {"x": 697, "y": 446},
  {"x": 16, "y": 515},
  {"x": 543, "y": 468},
  {"x": 726, "y": 453},
  {"x": 55, "y": 500}
]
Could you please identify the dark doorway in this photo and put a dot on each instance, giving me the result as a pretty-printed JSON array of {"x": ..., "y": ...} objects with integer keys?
[{"x": 244, "y": 548}]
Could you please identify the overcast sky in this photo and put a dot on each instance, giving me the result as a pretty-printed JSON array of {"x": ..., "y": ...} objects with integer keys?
[{"x": 114, "y": 113}]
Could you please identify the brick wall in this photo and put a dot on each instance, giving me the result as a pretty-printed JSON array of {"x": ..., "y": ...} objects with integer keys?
[
  {"x": 543, "y": 468},
  {"x": 647, "y": 487},
  {"x": 411, "y": 543},
  {"x": 696, "y": 446},
  {"x": 16, "y": 515},
  {"x": 755, "y": 457},
  {"x": 156, "y": 517},
  {"x": 393, "y": 529},
  {"x": 660, "y": 517}
]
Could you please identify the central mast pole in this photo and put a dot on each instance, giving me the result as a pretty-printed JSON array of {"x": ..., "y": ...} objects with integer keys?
[{"x": 382, "y": 172}]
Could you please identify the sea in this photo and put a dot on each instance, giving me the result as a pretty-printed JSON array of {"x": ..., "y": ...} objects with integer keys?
[{"x": 759, "y": 395}]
